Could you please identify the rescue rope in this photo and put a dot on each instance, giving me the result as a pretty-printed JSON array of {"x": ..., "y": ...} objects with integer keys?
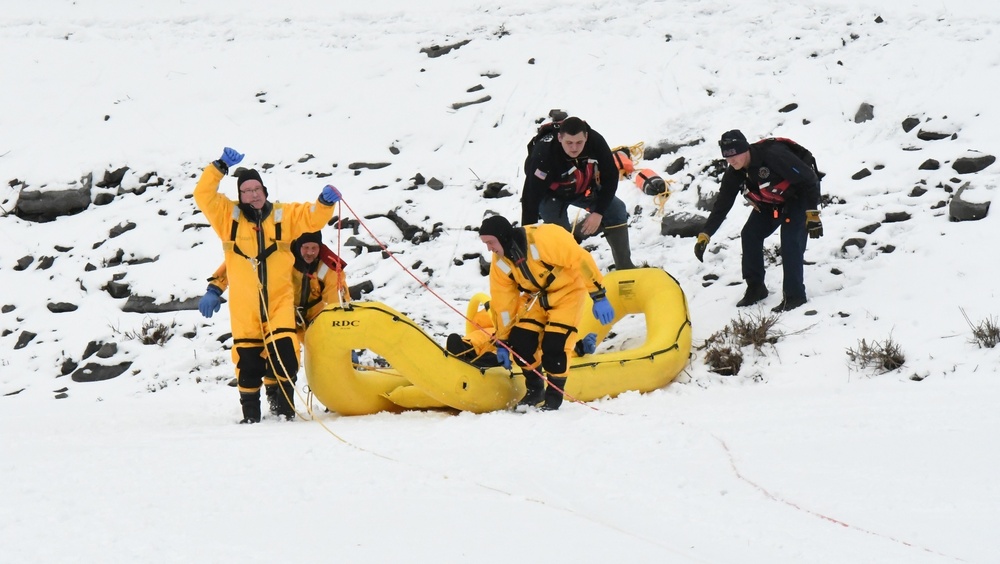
[
  {"x": 661, "y": 199},
  {"x": 779, "y": 499},
  {"x": 493, "y": 339},
  {"x": 266, "y": 320},
  {"x": 636, "y": 151}
]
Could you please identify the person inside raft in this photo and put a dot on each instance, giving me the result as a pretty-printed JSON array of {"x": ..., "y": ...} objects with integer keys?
[
  {"x": 539, "y": 280},
  {"x": 477, "y": 347}
]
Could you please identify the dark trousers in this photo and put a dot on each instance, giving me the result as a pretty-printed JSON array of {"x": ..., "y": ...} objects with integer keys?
[
  {"x": 792, "y": 221},
  {"x": 282, "y": 364},
  {"x": 552, "y": 210}
]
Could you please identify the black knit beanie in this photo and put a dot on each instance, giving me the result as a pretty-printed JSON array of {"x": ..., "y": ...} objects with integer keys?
[
  {"x": 300, "y": 264},
  {"x": 311, "y": 237},
  {"x": 733, "y": 143},
  {"x": 244, "y": 174}
]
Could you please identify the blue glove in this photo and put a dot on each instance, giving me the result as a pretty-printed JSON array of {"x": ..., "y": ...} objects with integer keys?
[
  {"x": 210, "y": 302},
  {"x": 231, "y": 156},
  {"x": 329, "y": 195},
  {"x": 503, "y": 355},
  {"x": 603, "y": 311},
  {"x": 588, "y": 344}
]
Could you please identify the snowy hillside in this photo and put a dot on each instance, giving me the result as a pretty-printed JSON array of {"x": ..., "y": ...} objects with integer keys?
[{"x": 412, "y": 113}]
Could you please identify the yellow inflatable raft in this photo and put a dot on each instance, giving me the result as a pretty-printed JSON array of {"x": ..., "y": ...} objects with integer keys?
[{"x": 424, "y": 375}]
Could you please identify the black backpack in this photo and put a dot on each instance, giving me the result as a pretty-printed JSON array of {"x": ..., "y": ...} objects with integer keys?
[
  {"x": 547, "y": 128},
  {"x": 556, "y": 117},
  {"x": 805, "y": 155}
]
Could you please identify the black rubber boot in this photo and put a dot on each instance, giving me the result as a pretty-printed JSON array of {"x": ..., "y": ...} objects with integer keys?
[
  {"x": 284, "y": 400},
  {"x": 554, "y": 397},
  {"x": 251, "y": 407},
  {"x": 756, "y": 291},
  {"x": 618, "y": 241},
  {"x": 534, "y": 389},
  {"x": 271, "y": 392}
]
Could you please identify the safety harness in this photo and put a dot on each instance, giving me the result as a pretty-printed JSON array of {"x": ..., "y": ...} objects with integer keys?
[
  {"x": 773, "y": 194},
  {"x": 305, "y": 303},
  {"x": 259, "y": 261}
]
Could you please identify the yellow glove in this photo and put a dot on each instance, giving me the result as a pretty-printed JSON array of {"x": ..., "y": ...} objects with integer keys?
[
  {"x": 814, "y": 226},
  {"x": 701, "y": 245}
]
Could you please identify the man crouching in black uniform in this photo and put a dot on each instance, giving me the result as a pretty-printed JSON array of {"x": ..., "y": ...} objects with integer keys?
[{"x": 575, "y": 167}]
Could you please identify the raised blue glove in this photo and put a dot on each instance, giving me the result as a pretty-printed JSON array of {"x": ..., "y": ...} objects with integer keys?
[
  {"x": 503, "y": 356},
  {"x": 588, "y": 344},
  {"x": 210, "y": 302},
  {"x": 603, "y": 311},
  {"x": 231, "y": 156},
  {"x": 329, "y": 195}
]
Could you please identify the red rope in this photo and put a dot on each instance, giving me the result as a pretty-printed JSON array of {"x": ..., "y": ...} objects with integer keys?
[
  {"x": 445, "y": 302},
  {"x": 773, "y": 497}
]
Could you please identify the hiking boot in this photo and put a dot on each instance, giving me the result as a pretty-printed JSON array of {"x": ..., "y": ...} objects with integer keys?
[
  {"x": 788, "y": 304},
  {"x": 755, "y": 293},
  {"x": 534, "y": 389},
  {"x": 249, "y": 421}
]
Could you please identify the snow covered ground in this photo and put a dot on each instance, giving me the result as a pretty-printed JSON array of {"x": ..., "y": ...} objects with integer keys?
[{"x": 801, "y": 457}]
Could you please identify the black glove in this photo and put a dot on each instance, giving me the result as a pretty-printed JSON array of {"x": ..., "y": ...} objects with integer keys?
[
  {"x": 814, "y": 226},
  {"x": 701, "y": 245}
]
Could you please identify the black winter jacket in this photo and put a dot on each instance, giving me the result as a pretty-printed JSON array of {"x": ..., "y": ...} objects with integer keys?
[
  {"x": 549, "y": 172},
  {"x": 774, "y": 168}
]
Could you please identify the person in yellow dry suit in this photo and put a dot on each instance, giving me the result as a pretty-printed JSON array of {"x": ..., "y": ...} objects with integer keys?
[
  {"x": 317, "y": 280},
  {"x": 256, "y": 241},
  {"x": 539, "y": 280},
  {"x": 477, "y": 346}
]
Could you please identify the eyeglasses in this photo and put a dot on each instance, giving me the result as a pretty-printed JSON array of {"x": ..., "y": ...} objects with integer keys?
[{"x": 252, "y": 190}]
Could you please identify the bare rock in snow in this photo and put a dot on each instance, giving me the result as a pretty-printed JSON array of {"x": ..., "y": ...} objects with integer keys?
[
  {"x": 962, "y": 210},
  {"x": 969, "y": 165},
  {"x": 43, "y": 205}
]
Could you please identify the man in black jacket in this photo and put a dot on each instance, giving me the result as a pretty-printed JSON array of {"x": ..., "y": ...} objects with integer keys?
[
  {"x": 784, "y": 192},
  {"x": 575, "y": 167}
]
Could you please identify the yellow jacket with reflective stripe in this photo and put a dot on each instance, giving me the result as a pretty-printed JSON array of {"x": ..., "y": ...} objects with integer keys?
[
  {"x": 558, "y": 265},
  {"x": 258, "y": 261}
]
